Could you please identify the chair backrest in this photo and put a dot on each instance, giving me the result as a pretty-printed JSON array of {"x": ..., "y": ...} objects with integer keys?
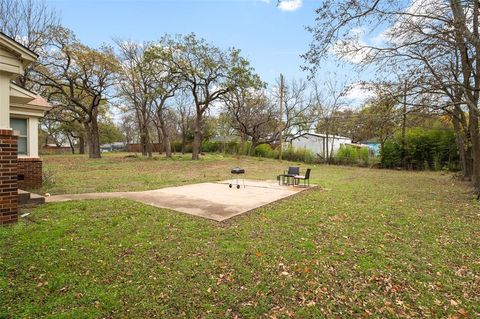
[
  {"x": 293, "y": 170},
  {"x": 307, "y": 173}
]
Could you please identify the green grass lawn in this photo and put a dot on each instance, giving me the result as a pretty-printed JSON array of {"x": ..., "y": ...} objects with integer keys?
[
  {"x": 122, "y": 172},
  {"x": 369, "y": 243}
]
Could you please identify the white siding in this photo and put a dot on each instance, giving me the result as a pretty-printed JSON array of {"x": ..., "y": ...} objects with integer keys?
[
  {"x": 318, "y": 144},
  {"x": 309, "y": 142},
  {"x": 33, "y": 137},
  {"x": 4, "y": 101}
]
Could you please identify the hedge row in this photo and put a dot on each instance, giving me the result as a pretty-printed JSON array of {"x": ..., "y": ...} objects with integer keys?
[
  {"x": 357, "y": 156},
  {"x": 425, "y": 149},
  {"x": 289, "y": 154}
]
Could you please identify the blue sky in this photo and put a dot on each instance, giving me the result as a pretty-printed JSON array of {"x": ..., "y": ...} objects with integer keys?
[{"x": 271, "y": 38}]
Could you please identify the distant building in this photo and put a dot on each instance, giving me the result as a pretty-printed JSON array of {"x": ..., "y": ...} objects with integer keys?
[
  {"x": 320, "y": 144},
  {"x": 117, "y": 146},
  {"x": 373, "y": 145}
]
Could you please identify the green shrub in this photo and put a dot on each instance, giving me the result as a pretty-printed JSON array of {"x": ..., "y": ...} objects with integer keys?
[
  {"x": 263, "y": 150},
  {"x": 390, "y": 154},
  {"x": 245, "y": 148},
  {"x": 347, "y": 155},
  {"x": 275, "y": 153},
  {"x": 425, "y": 149},
  {"x": 297, "y": 155},
  {"x": 231, "y": 148},
  {"x": 289, "y": 153},
  {"x": 364, "y": 156},
  {"x": 177, "y": 147},
  {"x": 211, "y": 147},
  {"x": 351, "y": 155}
]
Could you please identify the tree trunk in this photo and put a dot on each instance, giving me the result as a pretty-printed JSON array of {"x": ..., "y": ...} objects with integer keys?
[
  {"x": 403, "y": 153},
  {"x": 81, "y": 146},
  {"x": 70, "y": 142},
  {"x": 184, "y": 141},
  {"x": 252, "y": 147},
  {"x": 93, "y": 137},
  {"x": 197, "y": 137},
  {"x": 159, "y": 136},
  {"x": 382, "y": 153},
  {"x": 166, "y": 138},
  {"x": 330, "y": 160},
  {"x": 463, "y": 146},
  {"x": 143, "y": 141},
  {"x": 242, "y": 143},
  {"x": 149, "y": 144},
  {"x": 327, "y": 140},
  {"x": 468, "y": 170},
  {"x": 167, "y": 145},
  {"x": 475, "y": 137}
]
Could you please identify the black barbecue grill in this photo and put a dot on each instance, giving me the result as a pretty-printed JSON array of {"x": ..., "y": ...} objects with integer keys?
[{"x": 236, "y": 172}]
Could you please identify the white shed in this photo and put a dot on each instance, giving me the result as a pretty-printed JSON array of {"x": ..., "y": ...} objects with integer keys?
[{"x": 319, "y": 143}]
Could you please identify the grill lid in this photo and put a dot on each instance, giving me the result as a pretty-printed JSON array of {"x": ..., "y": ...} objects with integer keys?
[{"x": 237, "y": 170}]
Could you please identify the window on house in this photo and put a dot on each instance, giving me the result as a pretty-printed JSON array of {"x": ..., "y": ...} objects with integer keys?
[{"x": 20, "y": 125}]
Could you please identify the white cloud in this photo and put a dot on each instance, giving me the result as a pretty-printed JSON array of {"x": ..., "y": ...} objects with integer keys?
[
  {"x": 358, "y": 94},
  {"x": 290, "y": 5},
  {"x": 353, "y": 48},
  {"x": 360, "y": 44}
]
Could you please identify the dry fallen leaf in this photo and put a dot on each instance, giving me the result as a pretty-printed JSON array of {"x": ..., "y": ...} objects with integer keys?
[{"x": 463, "y": 313}]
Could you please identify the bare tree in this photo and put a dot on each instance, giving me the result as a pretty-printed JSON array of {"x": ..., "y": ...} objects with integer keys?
[
  {"x": 329, "y": 99},
  {"x": 128, "y": 128},
  {"x": 208, "y": 72},
  {"x": 252, "y": 115},
  {"x": 136, "y": 88},
  {"x": 420, "y": 36},
  {"x": 77, "y": 79},
  {"x": 166, "y": 82},
  {"x": 298, "y": 112},
  {"x": 29, "y": 22},
  {"x": 184, "y": 108}
]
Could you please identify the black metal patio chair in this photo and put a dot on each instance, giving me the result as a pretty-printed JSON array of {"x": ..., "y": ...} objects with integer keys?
[
  {"x": 305, "y": 178},
  {"x": 291, "y": 173}
]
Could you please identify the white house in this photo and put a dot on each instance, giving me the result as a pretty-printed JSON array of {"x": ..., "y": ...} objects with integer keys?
[
  {"x": 20, "y": 110},
  {"x": 320, "y": 144},
  {"x": 26, "y": 108}
]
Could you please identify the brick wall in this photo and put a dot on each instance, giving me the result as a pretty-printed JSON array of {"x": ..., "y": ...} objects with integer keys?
[
  {"x": 8, "y": 177},
  {"x": 29, "y": 172}
]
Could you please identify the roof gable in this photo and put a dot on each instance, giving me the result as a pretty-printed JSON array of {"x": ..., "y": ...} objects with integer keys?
[
  {"x": 20, "y": 97},
  {"x": 18, "y": 48}
]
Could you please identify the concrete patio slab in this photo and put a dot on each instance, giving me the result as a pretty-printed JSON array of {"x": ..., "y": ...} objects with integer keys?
[{"x": 214, "y": 201}]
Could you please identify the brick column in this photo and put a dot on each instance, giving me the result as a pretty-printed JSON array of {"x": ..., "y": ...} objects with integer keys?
[
  {"x": 8, "y": 177},
  {"x": 29, "y": 172}
]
